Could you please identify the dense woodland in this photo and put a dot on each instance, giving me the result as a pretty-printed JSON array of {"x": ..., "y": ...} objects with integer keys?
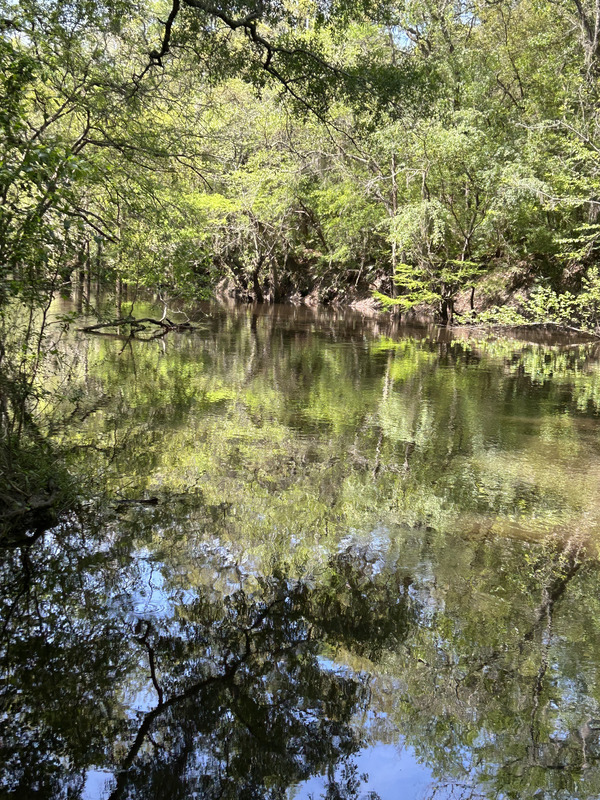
[{"x": 428, "y": 152}]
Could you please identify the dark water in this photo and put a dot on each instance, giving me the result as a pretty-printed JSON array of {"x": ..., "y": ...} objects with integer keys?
[{"x": 371, "y": 570}]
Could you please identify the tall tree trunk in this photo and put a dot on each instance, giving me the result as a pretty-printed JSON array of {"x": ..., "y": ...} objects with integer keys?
[
  {"x": 98, "y": 271},
  {"x": 394, "y": 264},
  {"x": 79, "y": 281},
  {"x": 119, "y": 296},
  {"x": 88, "y": 275},
  {"x": 258, "y": 292},
  {"x": 276, "y": 295}
]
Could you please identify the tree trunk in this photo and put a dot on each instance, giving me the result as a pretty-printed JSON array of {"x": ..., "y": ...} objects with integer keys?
[
  {"x": 276, "y": 295},
  {"x": 394, "y": 264},
  {"x": 79, "y": 282},
  {"x": 119, "y": 296},
  {"x": 444, "y": 312},
  {"x": 98, "y": 270},
  {"x": 88, "y": 276},
  {"x": 258, "y": 292}
]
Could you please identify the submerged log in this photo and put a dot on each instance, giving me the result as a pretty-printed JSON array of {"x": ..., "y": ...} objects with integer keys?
[
  {"x": 136, "y": 325},
  {"x": 142, "y": 501}
]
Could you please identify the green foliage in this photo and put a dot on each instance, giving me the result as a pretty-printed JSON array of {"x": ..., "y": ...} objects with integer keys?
[
  {"x": 545, "y": 304},
  {"x": 445, "y": 141},
  {"x": 282, "y": 150},
  {"x": 582, "y": 309}
]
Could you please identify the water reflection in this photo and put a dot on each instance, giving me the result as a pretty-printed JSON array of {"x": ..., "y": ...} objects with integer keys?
[
  {"x": 342, "y": 426},
  {"x": 476, "y": 662},
  {"x": 223, "y": 696},
  {"x": 371, "y": 569}
]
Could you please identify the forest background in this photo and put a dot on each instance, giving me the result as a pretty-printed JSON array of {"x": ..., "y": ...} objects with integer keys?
[{"x": 433, "y": 152}]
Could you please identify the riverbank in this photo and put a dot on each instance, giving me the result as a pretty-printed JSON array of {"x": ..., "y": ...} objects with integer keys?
[{"x": 505, "y": 300}]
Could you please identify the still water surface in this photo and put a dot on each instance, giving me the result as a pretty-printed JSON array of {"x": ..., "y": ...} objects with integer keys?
[{"x": 371, "y": 570}]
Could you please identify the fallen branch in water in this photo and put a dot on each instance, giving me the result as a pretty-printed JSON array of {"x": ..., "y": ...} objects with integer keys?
[
  {"x": 165, "y": 325},
  {"x": 142, "y": 501}
]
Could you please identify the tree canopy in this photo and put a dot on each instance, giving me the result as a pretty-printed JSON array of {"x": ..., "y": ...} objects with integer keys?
[{"x": 432, "y": 152}]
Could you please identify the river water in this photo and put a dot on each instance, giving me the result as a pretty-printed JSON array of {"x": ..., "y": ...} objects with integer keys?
[{"x": 368, "y": 568}]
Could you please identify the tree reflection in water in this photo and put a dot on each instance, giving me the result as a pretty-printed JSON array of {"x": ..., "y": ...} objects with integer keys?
[
  {"x": 249, "y": 686},
  {"x": 359, "y": 544},
  {"x": 215, "y": 696}
]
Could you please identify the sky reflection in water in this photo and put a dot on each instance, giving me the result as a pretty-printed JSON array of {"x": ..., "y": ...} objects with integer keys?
[{"x": 374, "y": 553}]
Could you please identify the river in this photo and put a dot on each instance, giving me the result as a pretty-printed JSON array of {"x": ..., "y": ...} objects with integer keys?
[{"x": 318, "y": 556}]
